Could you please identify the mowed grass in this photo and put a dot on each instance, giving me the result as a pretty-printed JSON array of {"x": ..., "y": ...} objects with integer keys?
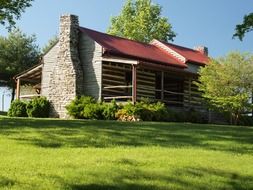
[{"x": 99, "y": 155}]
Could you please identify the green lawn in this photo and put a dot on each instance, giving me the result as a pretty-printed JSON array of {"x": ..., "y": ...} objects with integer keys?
[{"x": 98, "y": 155}]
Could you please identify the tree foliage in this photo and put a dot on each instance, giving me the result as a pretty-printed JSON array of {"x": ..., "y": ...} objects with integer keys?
[
  {"x": 226, "y": 83},
  {"x": 246, "y": 26},
  {"x": 141, "y": 20},
  {"x": 10, "y": 10},
  {"x": 50, "y": 44},
  {"x": 18, "y": 52}
]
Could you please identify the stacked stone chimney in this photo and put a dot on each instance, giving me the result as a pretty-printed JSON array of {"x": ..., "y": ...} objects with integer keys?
[
  {"x": 202, "y": 49},
  {"x": 67, "y": 77}
]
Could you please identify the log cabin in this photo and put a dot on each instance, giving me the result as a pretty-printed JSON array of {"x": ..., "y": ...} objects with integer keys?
[{"x": 106, "y": 67}]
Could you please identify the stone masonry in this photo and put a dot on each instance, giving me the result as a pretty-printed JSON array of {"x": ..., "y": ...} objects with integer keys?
[{"x": 66, "y": 80}]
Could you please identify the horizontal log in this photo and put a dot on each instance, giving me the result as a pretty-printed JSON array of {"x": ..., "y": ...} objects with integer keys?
[
  {"x": 117, "y": 97},
  {"x": 116, "y": 72},
  {"x": 30, "y": 96},
  {"x": 108, "y": 80}
]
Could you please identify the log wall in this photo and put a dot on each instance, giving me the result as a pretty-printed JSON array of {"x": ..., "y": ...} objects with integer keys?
[
  {"x": 116, "y": 81},
  {"x": 146, "y": 84}
]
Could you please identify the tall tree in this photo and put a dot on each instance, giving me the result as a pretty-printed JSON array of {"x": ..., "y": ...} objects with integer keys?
[
  {"x": 141, "y": 20},
  {"x": 10, "y": 10},
  {"x": 226, "y": 83},
  {"x": 17, "y": 53},
  {"x": 246, "y": 26}
]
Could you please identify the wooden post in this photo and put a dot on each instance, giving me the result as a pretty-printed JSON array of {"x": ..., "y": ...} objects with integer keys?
[
  {"x": 18, "y": 89},
  {"x": 162, "y": 85},
  {"x": 134, "y": 84}
]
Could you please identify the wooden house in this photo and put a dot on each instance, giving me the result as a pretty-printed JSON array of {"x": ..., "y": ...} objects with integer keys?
[{"x": 87, "y": 62}]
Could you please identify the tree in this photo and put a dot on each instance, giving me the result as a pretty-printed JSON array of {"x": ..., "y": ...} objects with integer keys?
[
  {"x": 18, "y": 52},
  {"x": 246, "y": 26},
  {"x": 226, "y": 84},
  {"x": 141, "y": 20},
  {"x": 50, "y": 44},
  {"x": 10, "y": 10}
]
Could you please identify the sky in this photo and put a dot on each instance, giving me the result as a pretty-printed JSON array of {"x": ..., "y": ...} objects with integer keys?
[{"x": 210, "y": 23}]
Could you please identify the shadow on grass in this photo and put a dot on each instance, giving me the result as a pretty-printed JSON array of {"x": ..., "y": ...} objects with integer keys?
[
  {"x": 50, "y": 133},
  {"x": 6, "y": 182},
  {"x": 181, "y": 179}
]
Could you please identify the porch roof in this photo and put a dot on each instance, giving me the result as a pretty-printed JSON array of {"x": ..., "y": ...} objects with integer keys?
[{"x": 32, "y": 74}]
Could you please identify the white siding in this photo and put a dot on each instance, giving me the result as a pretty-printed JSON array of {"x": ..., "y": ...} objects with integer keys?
[
  {"x": 49, "y": 60},
  {"x": 90, "y": 56}
]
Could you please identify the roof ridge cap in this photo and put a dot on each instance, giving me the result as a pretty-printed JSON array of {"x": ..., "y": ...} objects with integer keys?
[
  {"x": 168, "y": 50},
  {"x": 180, "y": 46}
]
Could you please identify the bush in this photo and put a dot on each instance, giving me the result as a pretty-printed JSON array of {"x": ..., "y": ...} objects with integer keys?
[
  {"x": 110, "y": 110},
  {"x": 190, "y": 115},
  {"x": 246, "y": 120},
  {"x": 93, "y": 111},
  {"x": 17, "y": 109},
  {"x": 76, "y": 107},
  {"x": 85, "y": 107},
  {"x": 129, "y": 112},
  {"x": 38, "y": 107},
  {"x": 144, "y": 110},
  {"x": 3, "y": 113}
]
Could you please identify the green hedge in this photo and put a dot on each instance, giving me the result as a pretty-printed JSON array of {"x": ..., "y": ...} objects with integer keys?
[
  {"x": 17, "y": 109},
  {"x": 3, "y": 113},
  {"x": 88, "y": 108},
  {"x": 37, "y": 107}
]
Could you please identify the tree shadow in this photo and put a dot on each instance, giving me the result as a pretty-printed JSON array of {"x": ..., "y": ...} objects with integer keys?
[
  {"x": 52, "y": 133},
  {"x": 6, "y": 182},
  {"x": 180, "y": 179}
]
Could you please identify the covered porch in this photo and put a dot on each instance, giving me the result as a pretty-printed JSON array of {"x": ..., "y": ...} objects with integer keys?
[
  {"x": 28, "y": 83},
  {"x": 131, "y": 81}
]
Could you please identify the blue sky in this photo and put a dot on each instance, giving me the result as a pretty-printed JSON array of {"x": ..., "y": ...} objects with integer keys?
[{"x": 197, "y": 22}]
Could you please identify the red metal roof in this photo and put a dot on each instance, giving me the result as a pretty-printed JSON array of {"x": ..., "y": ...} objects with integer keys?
[
  {"x": 190, "y": 54},
  {"x": 132, "y": 49}
]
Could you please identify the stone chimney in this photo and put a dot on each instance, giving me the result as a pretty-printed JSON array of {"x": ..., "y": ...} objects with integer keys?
[
  {"x": 202, "y": 49},
  {"x": 67, "y": 76}
]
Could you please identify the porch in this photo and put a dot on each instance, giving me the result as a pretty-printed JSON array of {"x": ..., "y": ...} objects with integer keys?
[
  {"x": 131, "y": 82},
  {"x": 28, "y": 83},
  {"x": 127, "y": 80}
]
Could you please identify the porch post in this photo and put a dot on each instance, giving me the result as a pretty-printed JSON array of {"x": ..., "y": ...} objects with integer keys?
[
  {"x": 18, "y": 89},
  {"x": 134, "y": 84},
  {"x": 162, "y": 85}
]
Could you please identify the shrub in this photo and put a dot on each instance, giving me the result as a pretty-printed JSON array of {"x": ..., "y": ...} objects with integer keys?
[
  {"x": 3, "y": 113},
  {"x": 246, "y": 120},
  {"x": 76, "y": 106},
  {"x": 110, "y": 110},
  {"x": 144, "y": 110},
  {"x": 191, "y": 116},
  {"x": 17, "y": 109},
  {"x": 85, "y": 107},
  {"x": 129, "y": 112},
  {"x": 38, "y": 107},
  {"x": 152, "y": 111},
  {"x": 93, "y": 111}
]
